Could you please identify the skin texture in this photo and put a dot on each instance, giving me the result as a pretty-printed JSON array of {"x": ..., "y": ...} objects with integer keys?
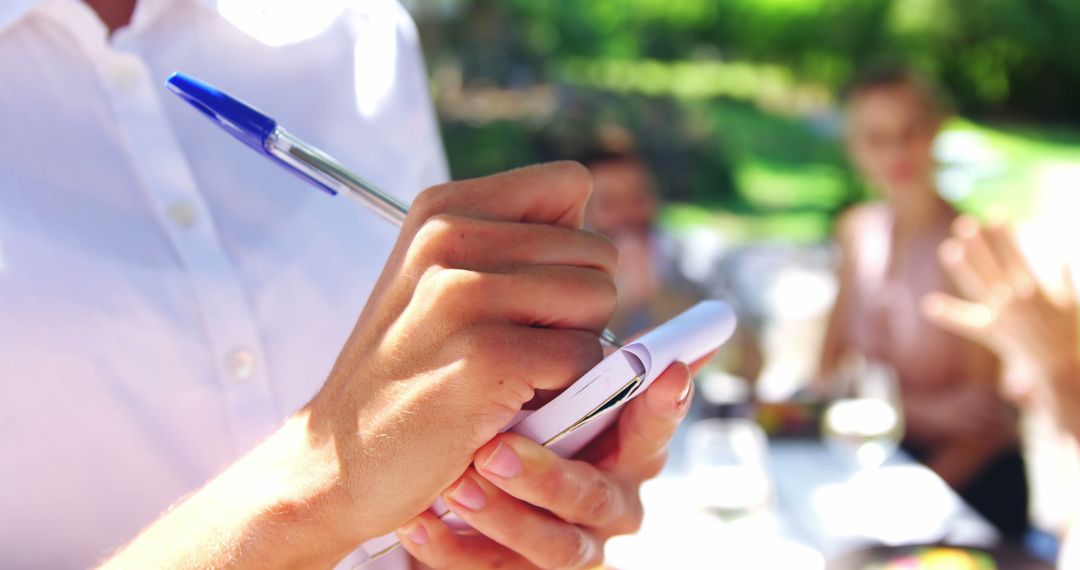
[
  {"x": 492, "y": 293},
  {"x": 533, "y": 509},
  {"x": 889, "y": 262},
  {"x": 1004, "y": 306}
]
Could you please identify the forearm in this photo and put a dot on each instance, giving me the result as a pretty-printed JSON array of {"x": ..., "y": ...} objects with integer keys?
[{"x": 268, "y": 510}]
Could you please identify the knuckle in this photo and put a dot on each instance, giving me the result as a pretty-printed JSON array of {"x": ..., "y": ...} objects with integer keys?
[
  {"x": 434, "y": 237},
  {"x": 578, "y": 551},
  {"x": 599, "y": 502},
  {"x": 443, "y": 236},
  {"x": 550, "y": 485},
  {"x": 431, "y": 201}
]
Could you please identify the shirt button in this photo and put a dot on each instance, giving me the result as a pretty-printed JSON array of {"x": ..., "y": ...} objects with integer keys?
[
  {"x": 183, "y": 213},
  {"x": 241, "y": 364},
  {"x": 126, "y": 75}
]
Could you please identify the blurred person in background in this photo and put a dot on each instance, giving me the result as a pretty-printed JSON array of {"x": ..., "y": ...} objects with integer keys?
[
  {"x": 624, "y": 207},
  {"x": 956, "y": 423},
  {"x": 1032, "y": 322}
]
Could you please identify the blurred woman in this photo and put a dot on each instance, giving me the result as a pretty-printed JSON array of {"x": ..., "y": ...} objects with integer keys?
[{"x": 955, "y": 421}]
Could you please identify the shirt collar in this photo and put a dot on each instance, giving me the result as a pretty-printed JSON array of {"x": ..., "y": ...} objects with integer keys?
[{"x": 12, "y": 10}]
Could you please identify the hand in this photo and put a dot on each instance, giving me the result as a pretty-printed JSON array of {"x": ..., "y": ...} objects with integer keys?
[
  {"x": 474, "y": 313},
  {"x": 1006, "y": 308},
  {"x": 533, "y": 509},
  {"x": 492, "y": 292}
]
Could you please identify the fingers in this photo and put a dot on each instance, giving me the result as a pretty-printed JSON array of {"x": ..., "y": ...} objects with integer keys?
[
  {"x": 538, "y": 536},
  {"x": 553, "y": 194},
  {"x": 982, "y": 260},
  {"x": 1009, "y": 257},
  {"x": 542, "y": 359},
  {"x": 648, "y": 422},
  {"x": 957, "y": 316},
  {"x": 952, "y": 257},
  {"x": 531, "y": 295},
  {"x": 574, "y": 491},
  {"x": 466, "y": 243},
  {"x": 636, "y": 446},
  {"x": 429, "y": 540}
]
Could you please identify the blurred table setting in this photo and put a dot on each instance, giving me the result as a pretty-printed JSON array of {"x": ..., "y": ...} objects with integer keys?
[{"x": 830, "y": 497}]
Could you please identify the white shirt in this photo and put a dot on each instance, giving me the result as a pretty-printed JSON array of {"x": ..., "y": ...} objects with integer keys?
[{"x": 168, "y": 296}]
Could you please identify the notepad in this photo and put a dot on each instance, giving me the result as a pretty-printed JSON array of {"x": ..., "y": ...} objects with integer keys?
[
  {"x": 582, "y": 411},
  {"x": 587, "y": 407}
]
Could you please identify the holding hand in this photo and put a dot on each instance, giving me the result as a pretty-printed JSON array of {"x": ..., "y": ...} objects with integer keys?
[
  {"x": 492, "y": 292},
  {"x": 533, "y": 509}
]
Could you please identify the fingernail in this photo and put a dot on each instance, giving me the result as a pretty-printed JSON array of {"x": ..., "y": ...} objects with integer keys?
[
  {"x": 685, "y": 396},
  {"x": 504, "y": 462},
  {"x": 415, "y": 533},
  {"x": 689, "y": 389},
  {"x": 469, "y": 495}
]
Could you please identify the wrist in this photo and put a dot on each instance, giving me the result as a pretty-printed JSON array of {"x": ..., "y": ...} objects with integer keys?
[
  {"x": 293, "y": 493},
  {"x": 270, "y": 509}
]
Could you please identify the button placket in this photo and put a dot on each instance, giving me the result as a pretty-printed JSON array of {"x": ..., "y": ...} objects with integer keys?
[{"x": 220, "y": 295}]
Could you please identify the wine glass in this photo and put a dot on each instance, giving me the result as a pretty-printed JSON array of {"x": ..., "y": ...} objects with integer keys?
[
  {"x": 865, "y": 424},
  {"x": 728, "y": 469}
]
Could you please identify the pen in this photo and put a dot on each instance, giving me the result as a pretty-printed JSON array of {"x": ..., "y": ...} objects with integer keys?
[{"x": 262, "y": 133}]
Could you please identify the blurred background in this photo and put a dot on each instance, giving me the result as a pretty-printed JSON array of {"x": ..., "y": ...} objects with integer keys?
[
  {"x": 734, "y": 102},
  {"x": 734, "y": 109}
]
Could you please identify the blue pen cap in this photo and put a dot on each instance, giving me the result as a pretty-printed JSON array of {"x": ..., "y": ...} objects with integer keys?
[{"x": 243, "y": 121}]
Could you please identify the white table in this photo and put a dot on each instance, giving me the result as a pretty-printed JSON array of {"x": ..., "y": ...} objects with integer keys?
[{"x": 819, "y": 509}]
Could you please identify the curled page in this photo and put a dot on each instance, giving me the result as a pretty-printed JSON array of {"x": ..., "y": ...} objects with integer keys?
[
  {"x": 623, "y": 375},
  {"x": 588, "y": 406}
]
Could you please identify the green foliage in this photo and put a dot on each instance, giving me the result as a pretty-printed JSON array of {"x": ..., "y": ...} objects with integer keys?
[
  {"x": 730, "y": 99},
  {"x": 1000, "y": 56}
]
